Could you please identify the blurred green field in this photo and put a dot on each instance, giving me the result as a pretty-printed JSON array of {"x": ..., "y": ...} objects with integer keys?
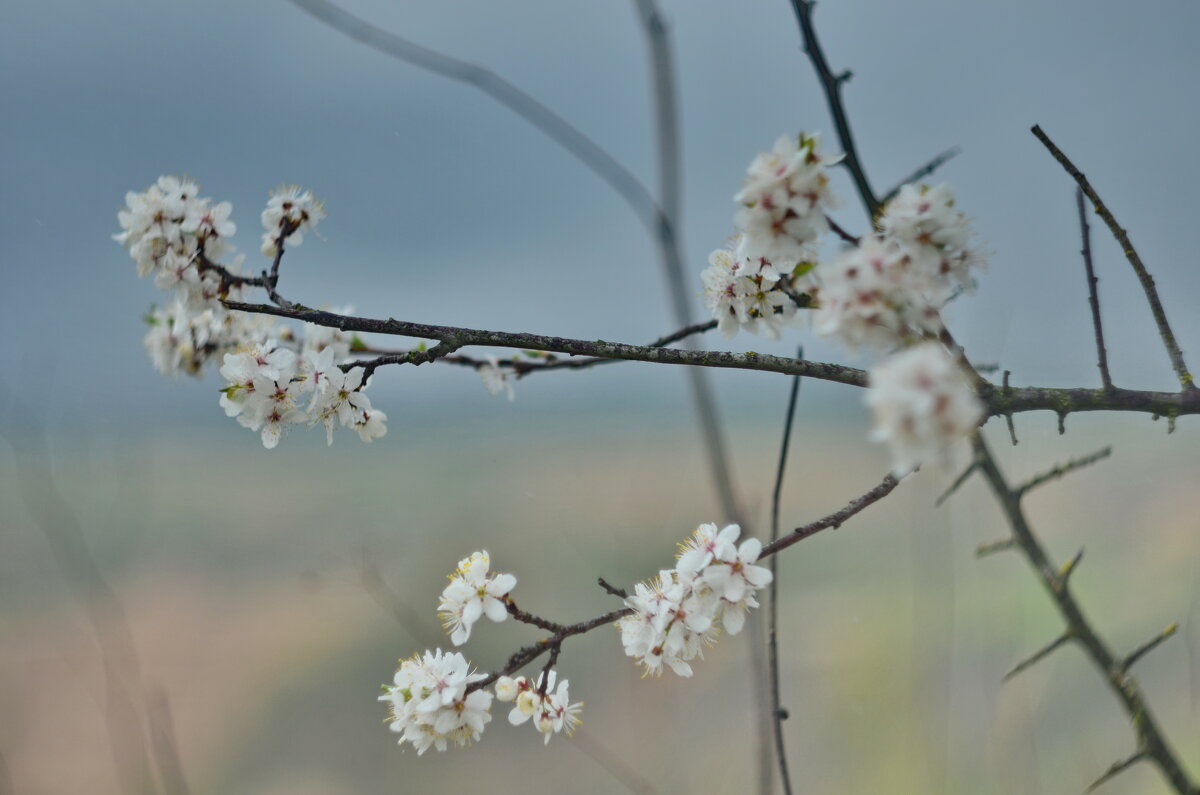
[{"x": 242, "y": 573}]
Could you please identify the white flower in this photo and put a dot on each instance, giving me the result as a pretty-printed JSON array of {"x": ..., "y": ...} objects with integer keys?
[
  {"x": 676, "y": 614},
  {"x": 700, "y": 549},
  {"x": 742, "y": 293},
  {"x": 922, "y": 221},
  {"x": 733, "y": 574},
  {"x": 873, "y": 295},
  {"x": 496, "y": 378},
  {"x": 429, "y": 703},
  {"x": 552, "y": 711},
  {"x": 294, "y": 207},
  {"x": 922, "y": 402},
  {"x": 507, "y": 688},
  {"x": 474, "y": 592},
  {"x": 784, "y": 201}
]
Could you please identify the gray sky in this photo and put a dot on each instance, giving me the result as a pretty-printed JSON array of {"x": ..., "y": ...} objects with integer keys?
[{"x": 444, "y": 207}]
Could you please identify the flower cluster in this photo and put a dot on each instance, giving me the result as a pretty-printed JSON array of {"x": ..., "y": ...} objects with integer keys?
[
  {"x": 922, "y": 402},
  {"x": 267, "y": 384},
  {"x": 176, "y": 235},
  {"x": 784, "y": 202},
  {"x": 744, "y": 294},
  {"x": 890, "y": 289},
  {"x": 780, "y": 222},
  {"x": 430, "y": 704},
  {"x": 550, "y": 707},
  {"x": 289, "y": 213},
  {"x": 677, "y": 612},
  {"x": 473, "y": 592},
  {"x": 273, "y": 379}
]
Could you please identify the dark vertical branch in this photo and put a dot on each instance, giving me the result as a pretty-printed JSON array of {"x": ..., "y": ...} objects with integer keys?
[
  {"x": 1135, "y": 261},
  {"x": 1151, "y": 741},
  {"x": 831, "y": 84},
  {"x": 778, "y": 713},
  {"x": 1093, "y": 299},
  {"x": 669, "y": 145},
  {"x": 670, "y": 150}
]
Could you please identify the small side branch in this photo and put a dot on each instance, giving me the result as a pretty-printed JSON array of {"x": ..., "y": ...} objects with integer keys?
[
  {"x": 525, "y": 617},
  {"x": 1116, "y": 769},
  {"x": 1156, "y": 308},
  {"x": 924, "y": 171},
  {"x": 957, "y": 484},
  {"x": 1148, "y": 646},
  {"x": 1062, "y": 470},
  {"x": 835, "y": 519},
  {"x": 1092, "y": 281},
  {"x": 1038, "y": 655},
  {"x": 992, "y": 547}
]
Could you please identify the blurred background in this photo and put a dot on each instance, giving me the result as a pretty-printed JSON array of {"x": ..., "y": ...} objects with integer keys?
[{"x": 269, "y": 593}]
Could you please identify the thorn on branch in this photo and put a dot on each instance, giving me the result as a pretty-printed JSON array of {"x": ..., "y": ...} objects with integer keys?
[
  {"x": 1148, "y": 646},
  {"x": 1116, "y": 769},
  {"x": 1068, "y": 568},
  {"x": 1062, "y": 470},
  {"x": 1038, "y": 655},
  {"x": 992, "y": 547}
]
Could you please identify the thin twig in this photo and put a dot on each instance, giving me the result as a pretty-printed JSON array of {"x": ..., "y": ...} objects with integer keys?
[
  {"x": 1061, "y": 470},
  {"x": 612, "y": 589},
  {"x": 526, "y": 617},
  {"x": 957, "y": 484},
  {"x": 1156, "y": 308},
  {"x": 992, "y": 547},
  {"x": 835, "y": 519},
  {"x": 924, "y": 171},
  {"x": 1150, "y": 737},
  {"x": 528, "y": 654},
  {"x": 1116, "y": 768},
  {"x": 778, "y": 713},
  {"x": 1092, "y": 281},
  {"x": 1148, "y": 646},
  {"x": 840, "y": 232},
  {"x": 831, "y": 84},
  {"x": 1037, "y": 656}
]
